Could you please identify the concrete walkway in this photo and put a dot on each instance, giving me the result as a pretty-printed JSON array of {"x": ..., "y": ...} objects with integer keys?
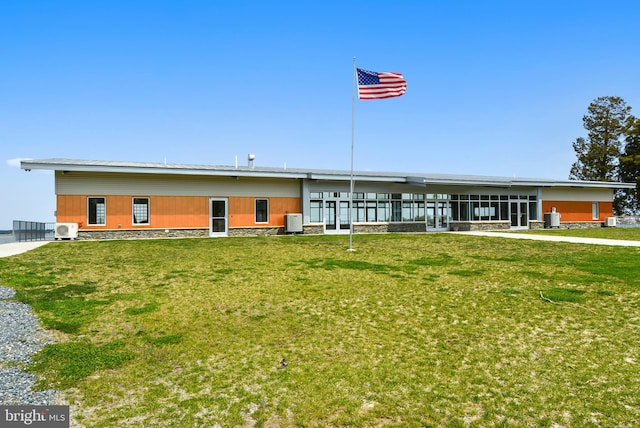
[
  {"x": 555, "y": 238},
  {"x": 13, "y": 248}
]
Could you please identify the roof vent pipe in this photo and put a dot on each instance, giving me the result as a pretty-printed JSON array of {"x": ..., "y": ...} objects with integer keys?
[{"x": 250, "y": 159}]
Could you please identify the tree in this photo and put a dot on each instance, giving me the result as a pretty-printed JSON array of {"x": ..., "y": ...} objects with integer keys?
[
  {"x": 598, "y": 155},
  {"x": 630, "y": 167}
]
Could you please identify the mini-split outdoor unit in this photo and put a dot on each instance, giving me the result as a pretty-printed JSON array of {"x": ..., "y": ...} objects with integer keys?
[
  {"x": 610, "y": 222},
  {"x": 293, "y": 223},
  {"x": 66, "y": 231}
]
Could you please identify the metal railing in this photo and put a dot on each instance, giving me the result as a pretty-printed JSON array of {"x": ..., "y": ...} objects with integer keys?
[
  {"x": 33, "y": 231},
  {"x": 628, "y": 221}
]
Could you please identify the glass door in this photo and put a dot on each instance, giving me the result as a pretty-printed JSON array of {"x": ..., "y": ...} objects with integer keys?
[
  {"x": 437, "y": 215},
  {"x": 442, "y": 216},
  {"x": 524, "y": 214},
  {"x": 218, "y": 223},
  {"x": 519, "y": 214},
  {"x": 431, "y": 215},
  {"x": 336, "y": 216}
]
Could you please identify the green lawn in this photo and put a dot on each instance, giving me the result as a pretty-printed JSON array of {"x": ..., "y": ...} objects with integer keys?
[{"x": 409, "y": 330}]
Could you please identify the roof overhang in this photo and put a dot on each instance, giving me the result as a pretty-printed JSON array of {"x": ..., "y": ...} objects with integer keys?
[{"x": 320, "y": 175}]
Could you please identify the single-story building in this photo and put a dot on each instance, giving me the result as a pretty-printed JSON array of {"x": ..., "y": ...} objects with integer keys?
[{"x": 133, "y": 199}]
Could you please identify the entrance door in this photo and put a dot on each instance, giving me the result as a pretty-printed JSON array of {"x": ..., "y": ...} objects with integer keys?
[
  {"x": 218, "y": 223},
  {"x": 437, "y": 215},
  {"x": 524, "y": 214},
  {"x": 519, "y": 215},
  {"x": 336, "y": 218}
]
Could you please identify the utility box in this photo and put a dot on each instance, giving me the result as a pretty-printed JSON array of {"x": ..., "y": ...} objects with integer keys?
[
  {"x": 552, "y": 220},
  {"x": 293, "y": 223}
]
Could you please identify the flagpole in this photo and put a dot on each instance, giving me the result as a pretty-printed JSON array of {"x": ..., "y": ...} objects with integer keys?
[{"x": 353, "y": 118}]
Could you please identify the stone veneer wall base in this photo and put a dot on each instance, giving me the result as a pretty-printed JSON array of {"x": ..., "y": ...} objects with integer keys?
[
  {"x": 469, "y": 226},
  {"x": 256, "y": 231},
  {"x": 142, "y": 234},
  {"x": 318, "y": 229},
  {"x": 581, "y": 224}
]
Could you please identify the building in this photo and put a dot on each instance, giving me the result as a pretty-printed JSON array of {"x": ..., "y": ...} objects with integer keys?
[{"x": 133, "y": 199}]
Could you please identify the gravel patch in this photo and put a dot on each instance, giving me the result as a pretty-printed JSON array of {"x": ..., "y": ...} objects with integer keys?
[
  {"x": 20, "y": 338},
  {"x": 6, "y": 292}
]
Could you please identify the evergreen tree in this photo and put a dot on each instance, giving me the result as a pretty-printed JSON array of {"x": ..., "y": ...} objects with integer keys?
[
  {"x": 630, "y": 167},
  {"x": 598, "y": 154}
]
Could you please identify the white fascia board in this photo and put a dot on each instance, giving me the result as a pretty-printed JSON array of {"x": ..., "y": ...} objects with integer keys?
[
  {"x": 574, "y": 183},
  {"x": 467, "y": 182},
  {"x": 158, "y": 169},
  {"x": 356, "y": 177}
]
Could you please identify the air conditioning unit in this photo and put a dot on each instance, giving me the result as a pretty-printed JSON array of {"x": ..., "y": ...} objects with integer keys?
[
  {"x": 551, "y": 220},
  {"x": 66, "y": 231},
  {"x": 610, "y": 222},
  {"x": 293, "y": 223}
]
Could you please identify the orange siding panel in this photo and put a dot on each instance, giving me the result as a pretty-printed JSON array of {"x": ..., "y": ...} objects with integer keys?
[
  {"x": 172, "y": 211},
  {"x": 71, "y": 209},
  {"x": 577, "y": 210},
  {"x": 165, "y": 211},
  {"x": 278, "y": 207},
  {"x": 179, "y": 211},
  {"x": 242, "y": 211}
]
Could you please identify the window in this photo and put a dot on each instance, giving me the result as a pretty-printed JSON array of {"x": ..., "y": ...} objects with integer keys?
[
  {"x": 140, "y": 210},
  {"x": 371, "y": 211},
  {"x": 494, "y": 210},
  {"x": 595, "y": 210},
  {"x": 465, "y": 211},
  {"x": 504, "y": 210},
  {"x": 455, "y": 212},
  {"x": 344, "y": 215},
  {"x": 407, "y": 212},
  {"x": 316, "y": 211},
  {"x": 396, "y": 211},
  {"x": 384, "y": 211},
  {"x": 533, "y": 210},
  {"x": 262, "y": 211},
  {"x": 358, "y": 212},
  {"x": 96, "y": 211},
  {"x": 418, "y": 211}
]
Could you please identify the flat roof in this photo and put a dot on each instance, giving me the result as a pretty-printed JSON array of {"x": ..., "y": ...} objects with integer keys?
[{"x": 312, "y": 174}]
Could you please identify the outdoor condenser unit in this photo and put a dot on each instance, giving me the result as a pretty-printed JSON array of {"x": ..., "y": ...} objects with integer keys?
[
  {"x": 293, "y": 223},
  {"x": 551, "y": 219},
  {"x": 66, "y": 231},
  {"x": 610, "y": 222}
]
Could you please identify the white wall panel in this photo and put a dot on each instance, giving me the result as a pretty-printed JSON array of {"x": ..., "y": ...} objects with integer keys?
[
  {"x": 86, "y": 183},
  {"x": 573, "y": 194}
]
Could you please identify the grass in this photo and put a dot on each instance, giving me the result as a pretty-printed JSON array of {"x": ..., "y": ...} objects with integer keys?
[{"x": 409, "y": 330}]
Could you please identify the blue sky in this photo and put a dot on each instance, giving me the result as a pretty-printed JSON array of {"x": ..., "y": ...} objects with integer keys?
[{"x": 494, "y": 87}]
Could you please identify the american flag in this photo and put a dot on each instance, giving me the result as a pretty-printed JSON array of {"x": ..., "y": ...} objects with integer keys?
[{"x": 374, "y": 85}]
